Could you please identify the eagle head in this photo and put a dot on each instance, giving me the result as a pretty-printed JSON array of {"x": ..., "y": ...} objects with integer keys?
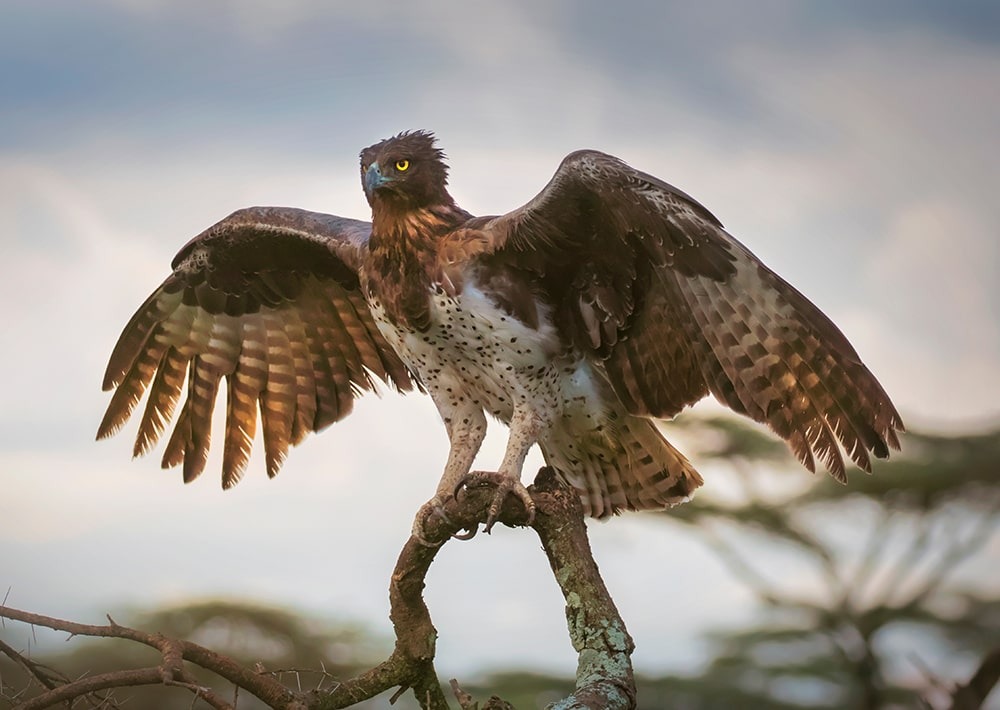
[{"x": 407, "y": 170}]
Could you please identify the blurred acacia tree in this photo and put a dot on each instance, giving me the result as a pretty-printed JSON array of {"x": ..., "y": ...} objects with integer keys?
[{"x": 894, "y": 590}]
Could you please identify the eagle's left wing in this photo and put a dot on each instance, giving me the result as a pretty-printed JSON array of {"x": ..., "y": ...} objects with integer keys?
[
  {"x": 266, "y": 305},
  {"x": 646, "y": 279}
]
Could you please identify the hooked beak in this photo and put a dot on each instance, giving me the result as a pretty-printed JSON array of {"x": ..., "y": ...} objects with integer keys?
[{"x": 374, "y": 179}]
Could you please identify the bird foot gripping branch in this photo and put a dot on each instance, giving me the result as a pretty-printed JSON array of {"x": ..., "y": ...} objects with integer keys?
[
  {"x": 609, "y": 299},
  {"x": 435, "y": 508},
  {"x": 505, "y": 485}
]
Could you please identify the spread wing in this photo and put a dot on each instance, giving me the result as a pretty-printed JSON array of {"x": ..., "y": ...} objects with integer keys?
[
  {"x": 268, "y": 301},
  {"x": 647, "y": 280}
]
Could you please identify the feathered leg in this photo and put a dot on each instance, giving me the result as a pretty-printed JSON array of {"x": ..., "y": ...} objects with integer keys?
[
  {"x": 466, "y": 428},
  {"x": 525, "y": 427}
]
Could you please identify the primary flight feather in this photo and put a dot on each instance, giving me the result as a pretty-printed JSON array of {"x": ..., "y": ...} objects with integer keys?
[{"x": 610, "y": 299}]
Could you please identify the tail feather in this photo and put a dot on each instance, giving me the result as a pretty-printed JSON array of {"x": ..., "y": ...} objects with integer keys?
[{"x": 637, "y": 469}]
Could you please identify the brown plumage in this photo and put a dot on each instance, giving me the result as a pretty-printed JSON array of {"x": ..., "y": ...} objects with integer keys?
[{"x": 610, "y": 298}]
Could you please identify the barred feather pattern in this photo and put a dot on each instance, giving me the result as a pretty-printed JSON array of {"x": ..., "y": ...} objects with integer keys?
[
  {"x": 300, "y": 364},
  {"x": 767, "y": 352},
  {"x": 674, "y": 308},
  {"x": 635, "y": 469}
]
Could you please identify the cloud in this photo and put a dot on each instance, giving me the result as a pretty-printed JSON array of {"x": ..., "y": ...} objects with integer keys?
[
  {"x": 935, "y": 276},
  {"x": 903, "y": 164},
  {"x": 947, "y": 249}
]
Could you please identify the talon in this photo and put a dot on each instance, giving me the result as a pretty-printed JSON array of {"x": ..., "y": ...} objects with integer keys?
[
  {"x": 476, "y": 478},
  {"x": 504, "y": 486},
  {"x": 491, "y": 519},
  {"x": 425, "y": 542},
  {"x": 434, "y": 508}
]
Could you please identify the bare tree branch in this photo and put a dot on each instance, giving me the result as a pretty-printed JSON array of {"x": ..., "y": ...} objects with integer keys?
[
  {"x": 604, "y": 647},
  {"x": 170, "y": 672},
  {"x": 959, "y": 550},
  {"x": 118, "y": 679},
  {"x": 853, "y": 588},
  {"x": 43, "y": 675},
  {"x": 740, "y": 567}
]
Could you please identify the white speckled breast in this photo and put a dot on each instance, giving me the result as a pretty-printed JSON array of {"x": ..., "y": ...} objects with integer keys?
[{"x": 477, "y": 353}]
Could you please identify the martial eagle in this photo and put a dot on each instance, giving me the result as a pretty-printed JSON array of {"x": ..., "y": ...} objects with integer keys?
[{"x": 610, "y": 299}]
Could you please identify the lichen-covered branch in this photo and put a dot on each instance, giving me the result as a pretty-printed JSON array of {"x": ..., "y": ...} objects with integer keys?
[{"x": 604, "y": 676}]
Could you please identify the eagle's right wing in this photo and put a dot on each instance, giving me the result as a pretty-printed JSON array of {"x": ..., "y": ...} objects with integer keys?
[
  {"x": 673, "y": 307},
  {"x": 268, "y": 299}
]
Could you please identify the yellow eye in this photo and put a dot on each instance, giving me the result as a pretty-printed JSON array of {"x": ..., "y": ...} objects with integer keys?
[{"x": 402, "y": 165}]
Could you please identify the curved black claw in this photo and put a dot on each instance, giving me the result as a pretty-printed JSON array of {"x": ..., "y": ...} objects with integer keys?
[
  {"x": 504, "y": 485},
  {"x": 467, "y": 535},
  {"x": 434, "y": 508}
]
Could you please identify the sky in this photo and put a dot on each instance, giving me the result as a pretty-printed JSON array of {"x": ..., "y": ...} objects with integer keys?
[{"x": 853, "y": 146}]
